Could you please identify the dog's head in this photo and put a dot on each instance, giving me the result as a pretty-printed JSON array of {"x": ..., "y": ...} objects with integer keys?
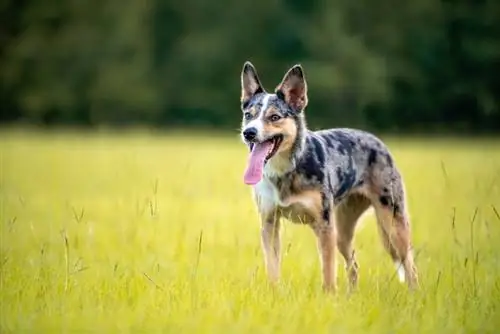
[{"x": 270, "y": 120}]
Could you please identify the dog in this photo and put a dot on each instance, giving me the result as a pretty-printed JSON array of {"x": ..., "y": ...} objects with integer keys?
[{"x": 325, "y": 179}]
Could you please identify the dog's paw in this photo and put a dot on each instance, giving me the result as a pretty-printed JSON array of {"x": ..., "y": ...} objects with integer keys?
[{"x": 329, "y": 288}]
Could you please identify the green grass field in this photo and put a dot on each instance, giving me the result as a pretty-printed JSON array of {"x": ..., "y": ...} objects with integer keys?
[{"x": 136, "y": 232}]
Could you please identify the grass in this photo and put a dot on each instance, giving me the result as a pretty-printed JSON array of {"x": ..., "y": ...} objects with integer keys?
[{"x": 157, "y": 233}]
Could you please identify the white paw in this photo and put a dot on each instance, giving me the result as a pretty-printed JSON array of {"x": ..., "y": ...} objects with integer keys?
[{"x": 401, "y": 271}]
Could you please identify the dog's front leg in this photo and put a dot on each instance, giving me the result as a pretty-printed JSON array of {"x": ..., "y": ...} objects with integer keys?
[
  {"x": 325, "y": 231},
  {"x": 326, "y": 248},
  {"x": 271, "y": 245}
]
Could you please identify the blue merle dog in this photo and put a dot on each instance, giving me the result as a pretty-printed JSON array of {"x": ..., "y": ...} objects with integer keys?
[{"x": 326, "y": 179}]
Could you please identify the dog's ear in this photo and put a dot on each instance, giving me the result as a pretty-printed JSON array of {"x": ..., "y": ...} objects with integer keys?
[
  {"x": 293, "y": 88},
  {"x": 250, "y": 83}
]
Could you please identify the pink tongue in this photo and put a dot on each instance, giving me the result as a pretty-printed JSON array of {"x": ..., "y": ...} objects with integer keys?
[{"x": 253, "y": 173}]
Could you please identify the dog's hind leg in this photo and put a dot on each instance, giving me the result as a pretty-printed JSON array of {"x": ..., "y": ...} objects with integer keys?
[
  {"x": 271, "y": 244},
  {"x": 346, "y": 217},
  {"x": 396, "y": 236},
  {"x": 388, "y": 199}
]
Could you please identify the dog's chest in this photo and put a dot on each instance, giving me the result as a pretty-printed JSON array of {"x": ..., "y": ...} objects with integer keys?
[
  {"x": 267, "y": 195},
  {"x": 297, "y": 208}
]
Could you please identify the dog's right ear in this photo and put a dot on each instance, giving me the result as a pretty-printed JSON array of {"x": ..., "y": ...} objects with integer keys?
[
  {"x": 293, "y": 88},
  {"x": 250, "y": 83}
]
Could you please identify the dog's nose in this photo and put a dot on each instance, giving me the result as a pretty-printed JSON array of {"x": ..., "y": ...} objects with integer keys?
[{"x": 250, "y": 133}]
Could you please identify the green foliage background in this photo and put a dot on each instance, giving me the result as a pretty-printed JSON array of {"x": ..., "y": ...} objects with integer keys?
[{"x": 386, "y": 65}]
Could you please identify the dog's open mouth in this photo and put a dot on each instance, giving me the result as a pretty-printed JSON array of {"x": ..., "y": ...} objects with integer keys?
[
  {"x": 260, "y": 153},
  {"x": 275, "y": 141}
]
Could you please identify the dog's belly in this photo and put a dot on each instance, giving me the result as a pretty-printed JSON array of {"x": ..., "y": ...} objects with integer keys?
[{"x": 297, "y": 214}]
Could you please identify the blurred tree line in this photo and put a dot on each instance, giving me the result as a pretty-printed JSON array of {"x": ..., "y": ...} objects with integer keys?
[{"x": 386, "y": 65}]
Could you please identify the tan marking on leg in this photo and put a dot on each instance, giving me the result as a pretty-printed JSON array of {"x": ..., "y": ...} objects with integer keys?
[
  {"x": 351, "y": 264},
  {"x": 311, "y": 202},
  {"x": 346, "y": 219},
  {"x": 326, "y": 247},
  {"x": 396, "y": 237}
]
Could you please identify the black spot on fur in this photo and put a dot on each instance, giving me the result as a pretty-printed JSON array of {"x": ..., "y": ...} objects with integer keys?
[
  {"x": 385, "y": 200},
  {"x": 318, "y": 150},
  {"x": 389, "y": 160},
  {"x": 310, "y": 168},
  {"x": 313, "y": 161},
  {"x": 345, "y": 143},
  {"x": 385, "y": 190},
  {"x": 372, "y": 157},
  {"x": 330, "y": 141},
  {"x": 326, "y": 215},
  {"x": 341, "y": 149},
  {"x": 338, "y": 171},
  {"x": 280, "y": 95},
  {"x": 330, "y": 186},
  {"x": 346, "y": 179},
  {"x": 326, "y": 208}
]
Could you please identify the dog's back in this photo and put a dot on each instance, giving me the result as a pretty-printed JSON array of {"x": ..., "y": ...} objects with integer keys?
[{"x": 345, "y": 159}]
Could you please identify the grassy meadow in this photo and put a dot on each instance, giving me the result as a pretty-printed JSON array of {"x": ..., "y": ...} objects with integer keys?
[{"x": 156, "y": 233}]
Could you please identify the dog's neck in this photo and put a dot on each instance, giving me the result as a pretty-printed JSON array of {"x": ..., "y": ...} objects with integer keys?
[{"x": 284, "y": 162}]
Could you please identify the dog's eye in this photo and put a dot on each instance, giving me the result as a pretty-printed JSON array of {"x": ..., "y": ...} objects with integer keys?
[
  {"x": 275, "y": 118},
  {"x": 247, "y": 115}
]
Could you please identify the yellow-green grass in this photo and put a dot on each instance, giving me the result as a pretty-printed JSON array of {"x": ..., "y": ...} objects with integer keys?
[{"x": 157, "y": 233}]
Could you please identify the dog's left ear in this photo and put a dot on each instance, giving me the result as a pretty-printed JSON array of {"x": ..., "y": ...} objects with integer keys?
[{"x": 293, "y": 88}]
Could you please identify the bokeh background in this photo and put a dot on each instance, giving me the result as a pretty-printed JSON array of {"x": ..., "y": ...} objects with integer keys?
[
  {"x": 418, "y": 66},
  {"x": 152, "y": 229}
]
